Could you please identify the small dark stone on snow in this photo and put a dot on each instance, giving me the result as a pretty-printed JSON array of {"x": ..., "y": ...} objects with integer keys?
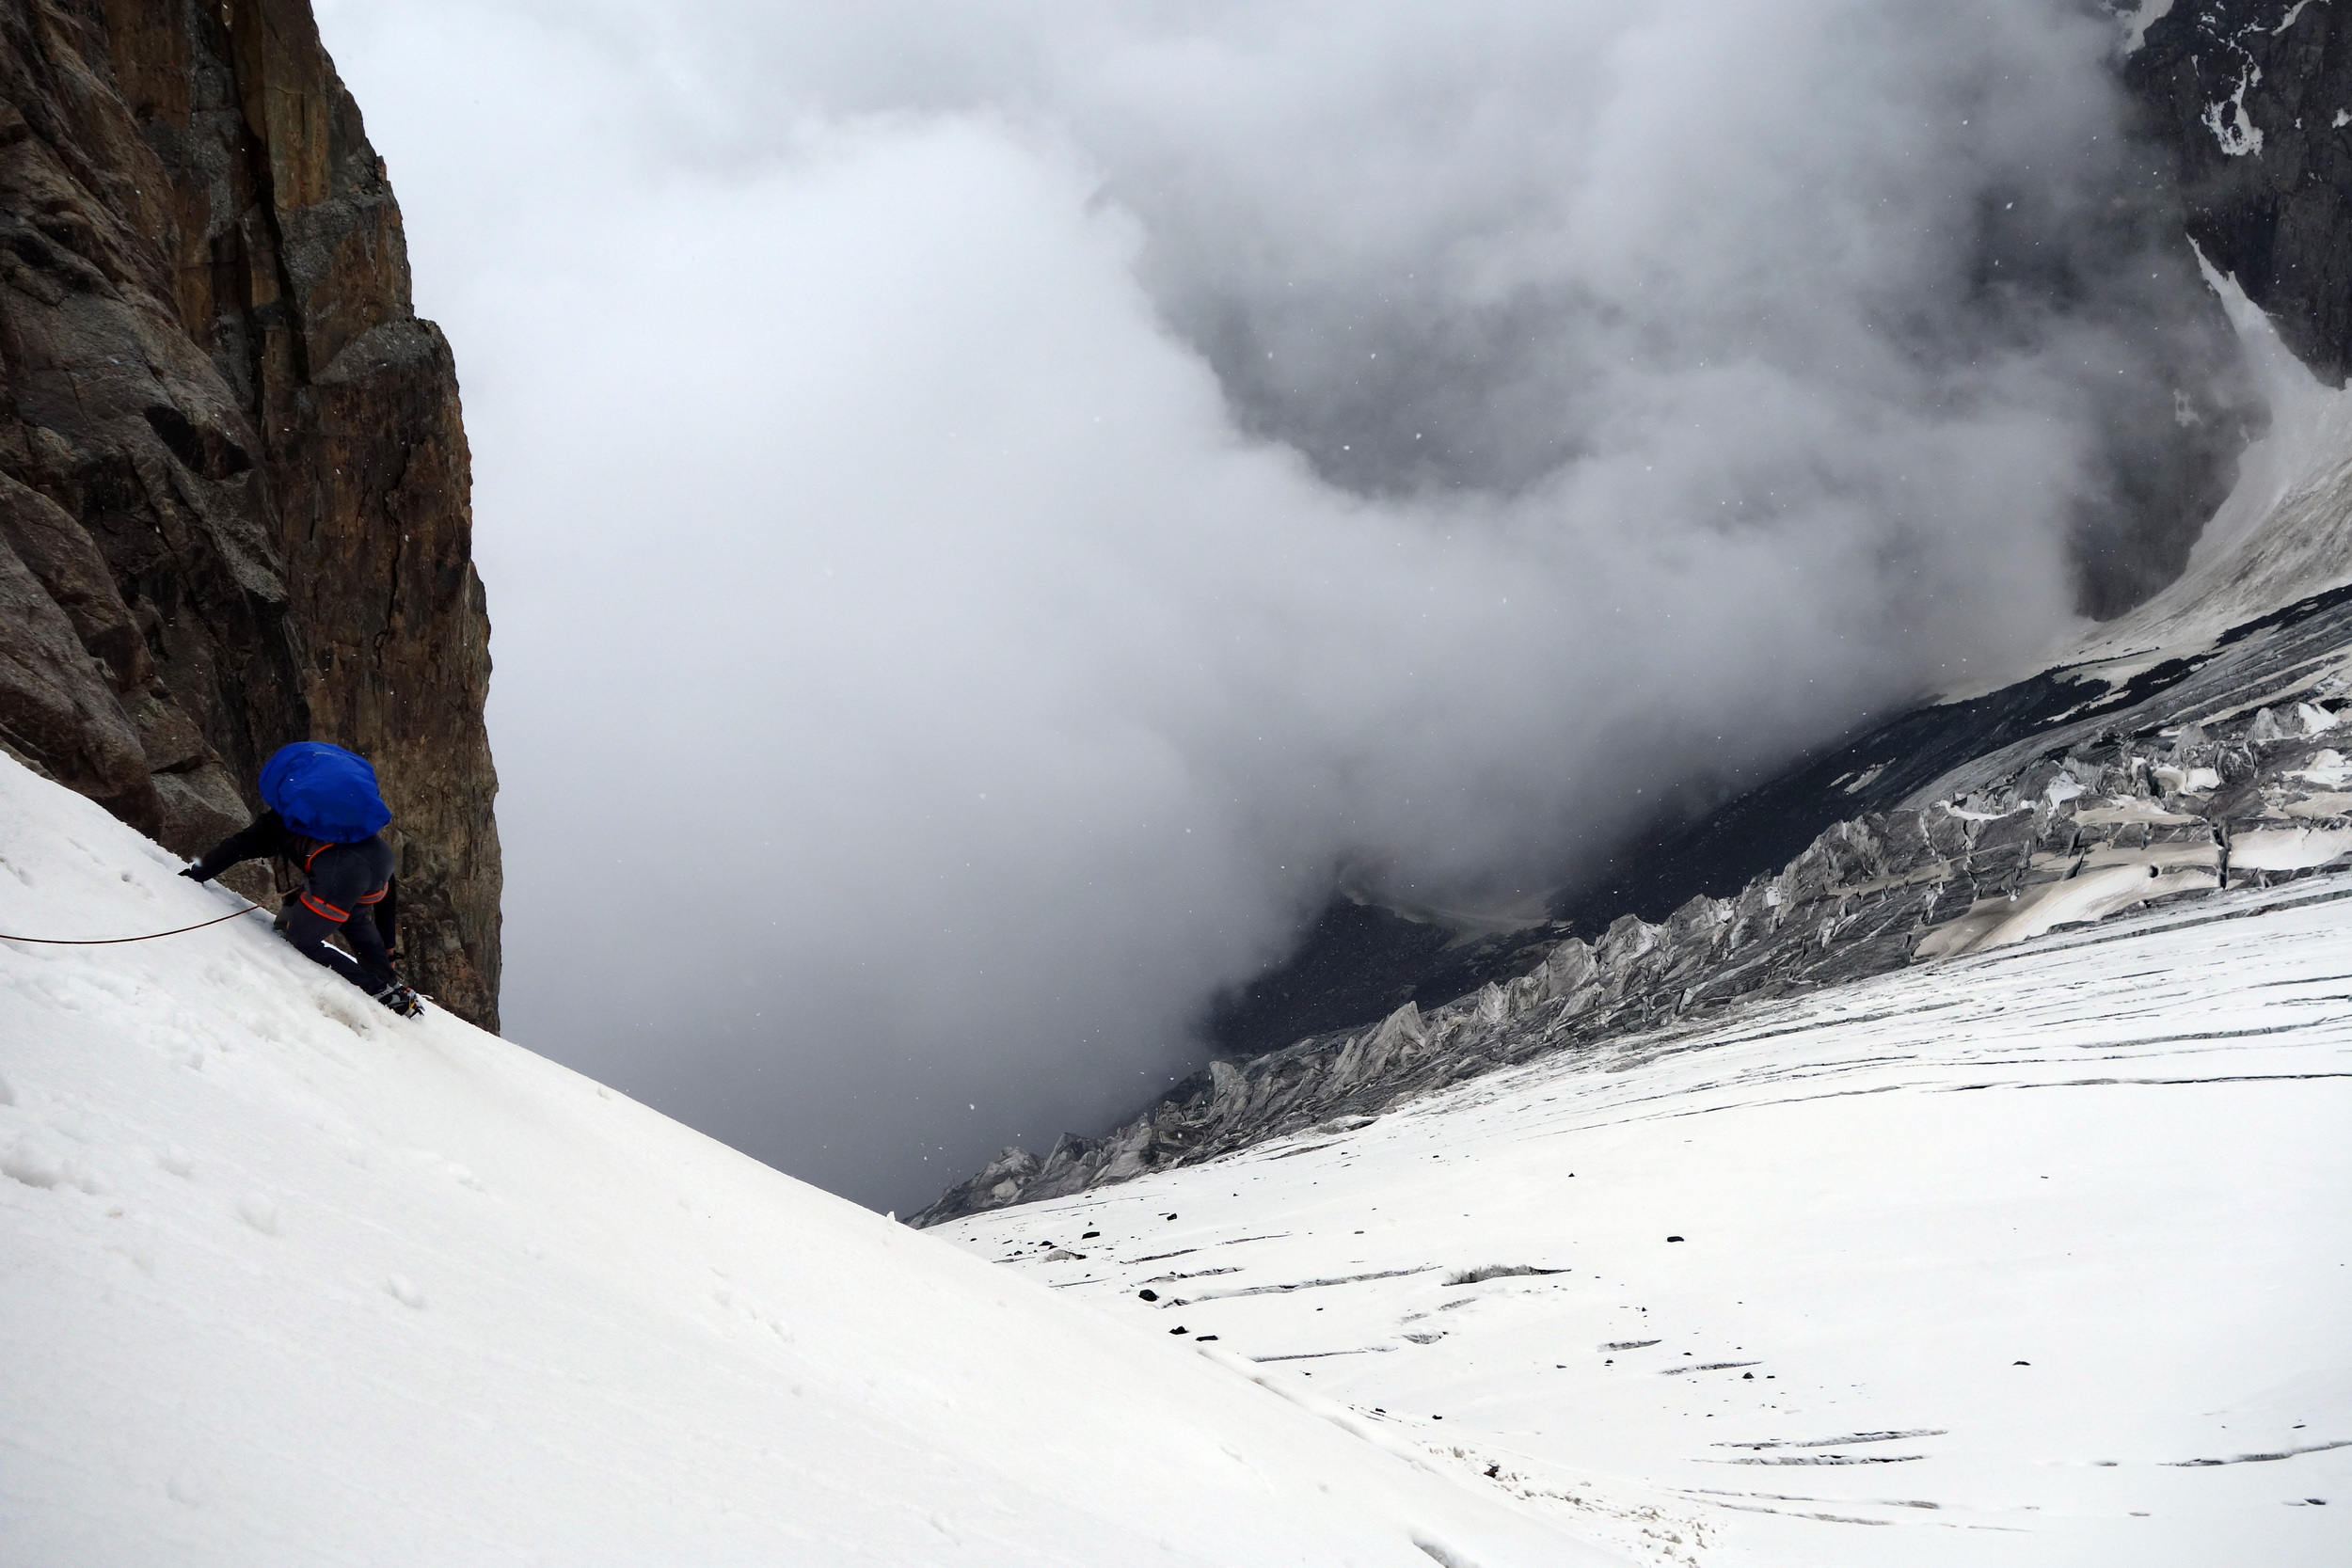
[
  {"x": 1178, "y": 1329},
  {"x": 1149, "y": 1295},
  {"x": 1090, "y": 1235},
  {"x": 1673, "y": 1238},
  {"x": 2021, "y": 1363},
  {"x": 1206, "y": 1338},
  {"x": 1747, "y": 1377}
]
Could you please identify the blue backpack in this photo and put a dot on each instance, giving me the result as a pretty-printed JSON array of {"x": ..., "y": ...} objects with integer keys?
[{"x": 323, "y": 792}]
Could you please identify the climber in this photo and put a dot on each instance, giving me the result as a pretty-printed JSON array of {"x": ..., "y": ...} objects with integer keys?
[{"x": 323, "y": 826}]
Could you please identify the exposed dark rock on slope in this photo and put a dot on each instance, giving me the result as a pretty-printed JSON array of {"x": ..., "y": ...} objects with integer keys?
[
  {"x": 1361, "y": 960},
  {"x": 2228, "y": 774},
  {"x": 2255, "y": 98},
  {"x": 1359, "y": 963},
  {"x": 1892, "y": 762},
  {"x": 233, "y": 481}
]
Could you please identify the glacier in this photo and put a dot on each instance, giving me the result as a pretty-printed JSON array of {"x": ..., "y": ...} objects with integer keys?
[{"x": 2037, "y": 1255}]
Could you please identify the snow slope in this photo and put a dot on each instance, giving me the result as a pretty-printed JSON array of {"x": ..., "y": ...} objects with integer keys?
[
  {"x": 284, "y": 1280},
  {"x": 2283, "y": 532},
  {"x": 2038, "y": 1256}
]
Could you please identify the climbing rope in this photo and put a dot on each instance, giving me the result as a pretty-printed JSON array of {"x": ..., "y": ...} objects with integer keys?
[{"x": 109, "y": 942}]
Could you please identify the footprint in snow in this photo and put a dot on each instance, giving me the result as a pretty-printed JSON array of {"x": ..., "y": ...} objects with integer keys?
[
  {"x": 176, "y": 1160},
  {"x": 34, "y": 1163},
  {"x": 403, "y": 1291},
  {"x": 73, "y": 1124},
  {"x": 257, "y": 1212}
]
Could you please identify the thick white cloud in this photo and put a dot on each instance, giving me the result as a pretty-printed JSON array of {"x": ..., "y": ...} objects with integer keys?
[{"x": 985, "y": 509}]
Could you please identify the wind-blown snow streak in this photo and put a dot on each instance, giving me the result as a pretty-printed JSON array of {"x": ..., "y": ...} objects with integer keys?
[{"x": 2038, "y": 1258}]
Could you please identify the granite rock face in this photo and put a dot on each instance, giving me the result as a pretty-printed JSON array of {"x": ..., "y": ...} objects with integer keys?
[
  {"x": 234, "y": 485},
  {"x": 2255, "y": 99}
]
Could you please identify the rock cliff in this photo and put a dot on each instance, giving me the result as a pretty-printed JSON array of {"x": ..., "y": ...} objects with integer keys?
[
  {"x": 2255, "y": 99},
  {"x": 235, "y": 485}
]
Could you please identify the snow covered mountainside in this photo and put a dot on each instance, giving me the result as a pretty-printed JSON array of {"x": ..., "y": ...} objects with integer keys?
[
  {"x": 2191, "y": 747},
  {"x": 285, "y": 1279},
  {"x": 2038, "y": 1256}
]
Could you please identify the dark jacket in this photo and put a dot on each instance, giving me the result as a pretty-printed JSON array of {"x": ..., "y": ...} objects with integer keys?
[{"x": 343, "y": 887}]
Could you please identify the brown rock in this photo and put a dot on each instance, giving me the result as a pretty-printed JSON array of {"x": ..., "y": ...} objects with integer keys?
[{"x": 233, "y": 478}]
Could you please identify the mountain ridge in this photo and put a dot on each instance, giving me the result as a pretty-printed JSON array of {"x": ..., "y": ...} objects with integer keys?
[{"x": 2174, "y": 749}]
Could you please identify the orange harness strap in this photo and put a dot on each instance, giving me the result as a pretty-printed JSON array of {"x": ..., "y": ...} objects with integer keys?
[{"x": 320, "y": 907}]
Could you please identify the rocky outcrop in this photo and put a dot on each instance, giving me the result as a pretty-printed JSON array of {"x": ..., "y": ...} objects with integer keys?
[
  {"x": 2255, "y": 99},
  {"x": 2232, "y": 772},
  {"x": 1362, "y": 960},
  {"x": 233, "y": 481}
]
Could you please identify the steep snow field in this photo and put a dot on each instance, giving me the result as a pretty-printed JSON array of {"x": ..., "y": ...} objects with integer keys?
[
  {"x": 2034, "y": 1257},
  {"x": 2284, "y": 532},
  {"x": 285, "y": 1279}
]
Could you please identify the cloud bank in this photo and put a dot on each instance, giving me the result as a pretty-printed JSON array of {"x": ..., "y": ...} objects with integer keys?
[{"x": 988, "y": 511}]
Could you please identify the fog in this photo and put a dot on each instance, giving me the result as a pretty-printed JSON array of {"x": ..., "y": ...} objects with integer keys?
[{"x": 990, "y": 510}]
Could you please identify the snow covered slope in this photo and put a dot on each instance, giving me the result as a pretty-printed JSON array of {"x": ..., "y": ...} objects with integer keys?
[
  {"x": 284, "y": 1280},
  {"x": 2033, "y": 1256},
  {"x": 2283, "y": 533}
]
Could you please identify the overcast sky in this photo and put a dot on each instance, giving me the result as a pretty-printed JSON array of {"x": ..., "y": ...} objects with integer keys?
[{"x": 989, "y": 507}]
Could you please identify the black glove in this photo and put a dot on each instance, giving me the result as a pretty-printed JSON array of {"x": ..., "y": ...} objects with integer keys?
[
  {"x": 196, "y": 873},
  {"x": 400, "y": 1000}
]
